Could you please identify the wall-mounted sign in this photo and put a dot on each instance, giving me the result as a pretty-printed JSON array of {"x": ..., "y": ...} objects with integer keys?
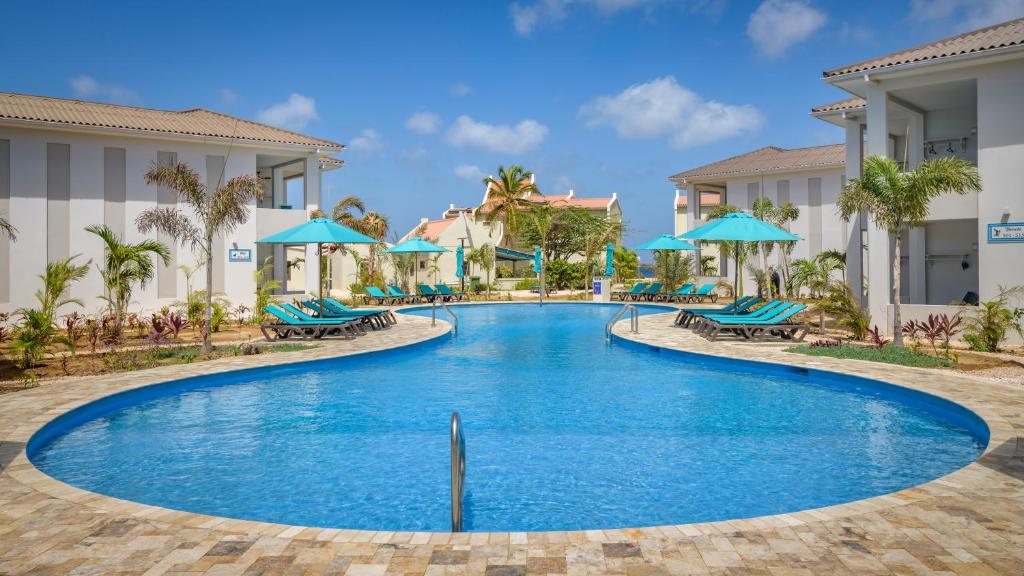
[
  {"x": 1006, "y": 232},
  {"x": 597, "y": 287},
  {"x": 239, "y": 255}
]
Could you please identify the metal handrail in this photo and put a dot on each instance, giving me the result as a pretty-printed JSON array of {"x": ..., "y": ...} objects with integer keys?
[
  {"x": 458, "y": 471},
  {"x": 634, "y": 320},
  {"x": 433, "y": 315}
]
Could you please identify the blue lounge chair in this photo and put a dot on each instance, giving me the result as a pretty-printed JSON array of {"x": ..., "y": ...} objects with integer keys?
[
  {"x": 636, "y": 289},
  {"x": 288, "y": 325},
  {"x": 778, "y": 324},
  {"x": 699, "y": 320},
  {"x": 401, "y": 295},
  {"x": 444, "y": 290},
  {"x": 675, "y": 294},
  {"x": 374, "y": 318},
  {"x": 359, "y": 323},
  {"x": 429, "y": 294},
  {"x": 648, "y": 293},
  {"x": 375, "y": 295},
  {"x": 339, "y": 308},
  {"x": 704, "y": 292},
  {"x": 737, "y": 307}
]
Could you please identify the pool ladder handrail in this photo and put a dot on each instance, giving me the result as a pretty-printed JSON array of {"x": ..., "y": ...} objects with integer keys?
[
  {"x": 458, "y": 470},
  {"x": 634, "y": 320},
  {"x": 433, "y": 315}
]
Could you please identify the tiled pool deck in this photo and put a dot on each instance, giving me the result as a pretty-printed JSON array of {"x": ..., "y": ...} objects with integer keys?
[{"x": 970, "y": 522}]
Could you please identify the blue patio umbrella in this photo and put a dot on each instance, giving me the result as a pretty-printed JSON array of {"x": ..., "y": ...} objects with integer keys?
[
  {"x": 665, "y": 242},
  {"x": 416, "y": 246},
  {"x": 460, "y": 260},
  {"x": 609, "y": 260},
  {"x": 738, "y": 227},
  {"x": 318, "y": 231}
]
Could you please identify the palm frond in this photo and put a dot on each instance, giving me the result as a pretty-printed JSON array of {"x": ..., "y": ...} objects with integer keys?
[{"x": 173, "y": 223}]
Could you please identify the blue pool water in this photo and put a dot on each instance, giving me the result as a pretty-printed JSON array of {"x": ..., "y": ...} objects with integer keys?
[{"x": 562, "y": 432}]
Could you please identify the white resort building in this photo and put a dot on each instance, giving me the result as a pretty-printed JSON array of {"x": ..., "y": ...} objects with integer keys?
[
  {"x": 68, "y": 164},
  {"x": 958, "y": 97}
]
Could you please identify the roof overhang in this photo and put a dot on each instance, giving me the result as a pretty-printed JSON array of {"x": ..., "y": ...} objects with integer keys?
[{"x": 309, "y": 149}]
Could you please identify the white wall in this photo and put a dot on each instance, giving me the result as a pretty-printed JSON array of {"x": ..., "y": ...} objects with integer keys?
[{"x": 28, "y": 211}]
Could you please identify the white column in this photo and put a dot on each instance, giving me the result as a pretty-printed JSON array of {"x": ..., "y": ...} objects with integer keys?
[
  {"x": 854, "y": 244},
  {"x": 311, "y": 182},
  {"x": 279, "y": 196},
  {"x": 879, "y": 267},
  {"x": 693, "y": 219},
  {"x": 917, "y": 274}
]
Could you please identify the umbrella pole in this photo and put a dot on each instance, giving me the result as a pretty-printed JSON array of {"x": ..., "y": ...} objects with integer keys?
[
  {"x": 320, "y": 264},
  {"x": 736, "y": 275}
]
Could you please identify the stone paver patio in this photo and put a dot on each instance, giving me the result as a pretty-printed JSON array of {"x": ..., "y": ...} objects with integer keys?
[{"x": 969, "y": 522}]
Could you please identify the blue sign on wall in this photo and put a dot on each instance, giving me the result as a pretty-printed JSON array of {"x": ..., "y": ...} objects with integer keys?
[
  {"x": 1006, "y": 232},
  {"x": 239, "y": 255},
  {"x": 597, "y": 287}
]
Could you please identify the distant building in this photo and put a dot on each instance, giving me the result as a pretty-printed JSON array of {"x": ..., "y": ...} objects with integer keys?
[{"x": 810, "y": 178}]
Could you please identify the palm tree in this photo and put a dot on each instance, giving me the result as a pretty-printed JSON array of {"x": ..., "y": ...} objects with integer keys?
[
  {"x": 506, "y": 197},
  {"x": 484, "y": 258},
  {"x": 898, "y": 200},
  {"x": 816, "y": 275},
  {"x": 541, "y": 220},
  {"x": 218, "y": 211},
  {"x": 37, "y": 331},
  {"x": 7, "y": 228},
  {"x": 124, "y": 266},
  {"x": 351, "y": 211},
  {"x": 781, "y": 216}
]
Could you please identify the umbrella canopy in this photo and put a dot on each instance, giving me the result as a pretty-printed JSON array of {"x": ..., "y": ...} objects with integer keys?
[
  {"x": 738, "y": 226},
  {"x": 415, "y": 246},
  {"x": 318, "y": 231},
  {"x": 666, "y": 242},
  {"x": 460, "y": 261},
  {"x": 609, "y": 260}
]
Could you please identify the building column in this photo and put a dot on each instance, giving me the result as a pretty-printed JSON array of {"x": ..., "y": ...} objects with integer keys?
[
  {"x": 693, "y": 220},
  {"x": 855, "y": 241},
  {"x": 879, "y": 268},
  {"x": 311, "y": 184},
  {"x": 916, "y": 273},
  {"x": 915, "y": 251}
]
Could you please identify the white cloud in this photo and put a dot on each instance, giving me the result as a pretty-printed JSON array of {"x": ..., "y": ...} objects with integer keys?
[
  {"x": 423, "y": 122},
  {"x": 777, "y": 25},
  {"x": 87, "y": 87},
  {"x": 501, "y": 138},
  {"x": 662, "y": 107},
  {"x": 527, "y": 17},
  {"x": 967, "y": 14},
  {"x": 294, "y": 113},
  {"x": 460, "y": 89},
  {"x": 469, "y": 172},
  {"x": 227, "y": 96},
  {"x": 368, "y": 142}
]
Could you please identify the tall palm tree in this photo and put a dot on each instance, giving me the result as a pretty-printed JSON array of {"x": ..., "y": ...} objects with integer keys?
[
  {"x": 343, "y": 214},
  {"x": 816, "y": 275},
  {"x": 351, "y": 211},
  {"x": 898, "y": 200},
  {"x": 782, "y": 216},
  {"x": 506, "y": 197},
  {"x": 218, "y": 211},
  {"x": 125, "y": 265}
]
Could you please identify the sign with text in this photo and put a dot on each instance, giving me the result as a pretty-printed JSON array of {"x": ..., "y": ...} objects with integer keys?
[
  {"x": 240, "y": 255},
  {"x": 1006, "y": 232}
]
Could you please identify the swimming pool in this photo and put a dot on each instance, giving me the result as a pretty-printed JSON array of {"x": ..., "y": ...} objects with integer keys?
[{"x": 562, "y": 432}]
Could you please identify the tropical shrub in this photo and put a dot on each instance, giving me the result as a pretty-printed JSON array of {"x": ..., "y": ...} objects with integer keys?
[
  {"x": 986, "y": 330},
  {"x": 526, "y": 283},
  {"x": 563, "y": 274},
  {"x": 38, "y": 332},
  {"x": 939, "y": 328},
  {"x": 876, "y": 339},
  {"x": 126, "y": 265},
  {"x": 503, "y": 271},
  {"x": 840, "y": 303}
]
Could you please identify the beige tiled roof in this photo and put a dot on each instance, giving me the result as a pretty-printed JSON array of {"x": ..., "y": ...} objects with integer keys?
[
  {"x": 194, "y": 122},
  {"x": 847, "y": 104},
  {"x": 769, "y": 159},
  {"x": 1005, "y": 35}
]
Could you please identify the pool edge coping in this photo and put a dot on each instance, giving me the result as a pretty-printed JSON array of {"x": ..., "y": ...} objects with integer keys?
[{"x": 1001, "y": 432}]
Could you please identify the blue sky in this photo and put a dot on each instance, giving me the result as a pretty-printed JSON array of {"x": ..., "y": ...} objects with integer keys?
[{"x": 599, "y": 95}]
